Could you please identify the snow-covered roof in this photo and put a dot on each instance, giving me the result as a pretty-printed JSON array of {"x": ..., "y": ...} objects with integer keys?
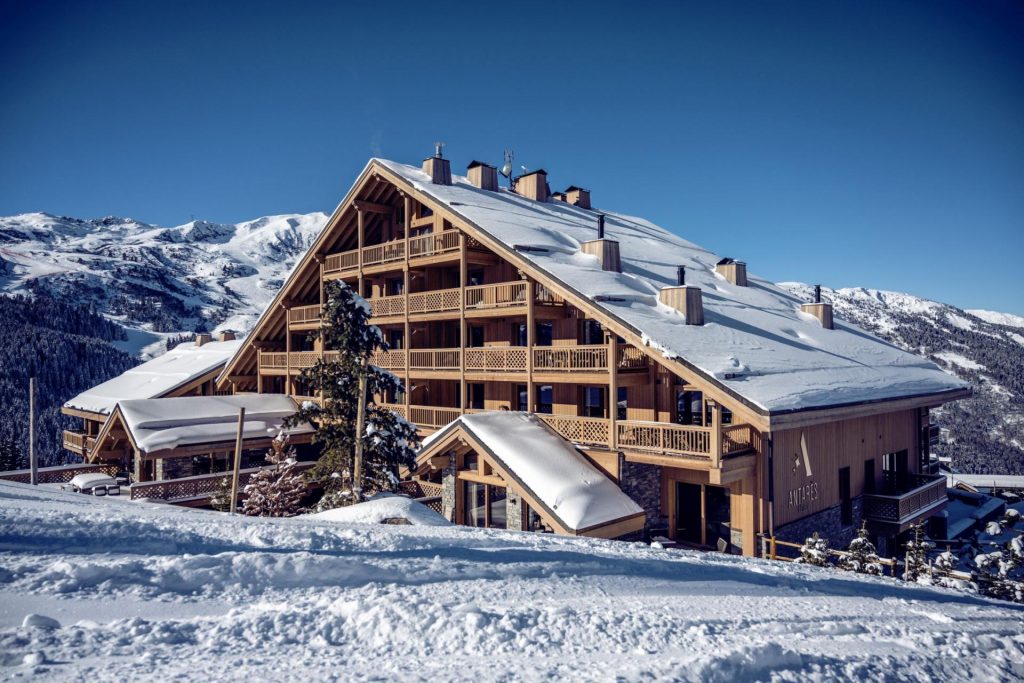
[
  {"x": 983, "y": 481},
  {"x": 755, "y": 341},
  {"x": 156, "y": 424},
  {"x": 382, "y": 507},
  {"x": 181, "y": 365},
  {"x": 555, "y": 472}
]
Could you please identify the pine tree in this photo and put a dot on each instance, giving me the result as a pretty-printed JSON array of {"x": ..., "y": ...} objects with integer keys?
[
  {"x": 998, "y": 573},
  {"x": 814, "y": 552},
  {"x": 221, "y": 501},
  {"x": 861, "y": 556},
  {"x": 276, "y": 491},
  {"x": 388, "y": 440},
  {"x": 916, "y": 567},
  {"x": 942, "y": 572}
]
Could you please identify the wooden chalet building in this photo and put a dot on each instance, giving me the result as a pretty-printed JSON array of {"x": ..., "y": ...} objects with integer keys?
[{"x": 722, "y": 405}]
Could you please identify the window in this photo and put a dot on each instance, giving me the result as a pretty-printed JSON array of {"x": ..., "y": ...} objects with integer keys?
[
  {"x": 476, "y": 336},
  {"x": 894, "y": 471},
  {"x": 497, "y": 508},
  {"x": 846, "y": 503},
  {"x": 593, "y": 401},
  {"x": 622, "y": 404},
  {"x": 545, "y": 395},
  {"x": 474, "y": 503},
  {"x": 522, "y": 399},
  {"x": 476, "y": 396},
  {"x": 474, "y": 278},
  {"x": 396, "y": 339},
  {"x": 869, "y": 475},
  {"x": 592, "y": 332},
  {"x": 544, "y": 334},
  {"x": 690, "y": 408},
  {"x": 470, "y": 461},
  {"x": 518, "y": 334},
  {"x": 395, "y": 286},
  {"x": 425, "y": 211}
]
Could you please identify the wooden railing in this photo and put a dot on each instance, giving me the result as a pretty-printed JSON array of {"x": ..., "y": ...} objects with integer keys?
[
  {"x": 384, "y": 306},
  {"x": 434, "y": 359},
  {"x": 60, "y": 474},
  {"x": 740, "y": 438},
  {"x": 347, "y": 260},
  {"x": 497, "y": 358},
  {"x": 435, "y": 301},
  {"x": 398, "y": 408},
  {"x": 434, "y": 244},
  {"x": 570, "y": 358},
  {"x": 279, "y": 360},
  {"x": 926, "y": 491},
  {"x": 304, "y": 314},
  {"x": 545, "y": 296},
  {"x": 417, "y": 488},
  {"x": 428, "y": 416},
  {"x": 197, "y": 487},
  {"x": 389, "y": 360},
  {"x": 78, "y": 442},
  {"x": 664, "y": 438},
  {"x": 384, "y": 253},
  {"x": 632, "y": 358},
  {"x": 273, "y": 359},
  {"x": 584, "y": 430},
  {"x": 496, "y": 296}
]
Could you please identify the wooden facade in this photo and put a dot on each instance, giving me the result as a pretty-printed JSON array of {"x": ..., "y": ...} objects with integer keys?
[{"x": 474, "y": 326}]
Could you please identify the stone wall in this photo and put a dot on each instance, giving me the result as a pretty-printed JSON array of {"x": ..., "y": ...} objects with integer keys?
[
  {"x": 173, "y": 468},
  {"x": 448, "y": 484},
  {"x": 642, "y": 483},
  {"x": 514, "y": 511},
  {"x": 828, "y": 524}
]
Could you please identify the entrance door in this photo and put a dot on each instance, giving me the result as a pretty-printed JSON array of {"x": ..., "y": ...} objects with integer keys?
[
  {"x": 688, "y": 513},
  {"x": 717, "y": 517}
]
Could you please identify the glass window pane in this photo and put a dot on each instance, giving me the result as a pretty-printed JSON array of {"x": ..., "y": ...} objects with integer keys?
[
  {"x": 498, "y": 507},
  {"x": 474, "y": 504}
]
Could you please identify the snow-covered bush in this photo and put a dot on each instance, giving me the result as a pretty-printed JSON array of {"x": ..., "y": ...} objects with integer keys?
[
  {"x": 276, "y": 491},
  {"x": 814, "y": 551},
  {"x": 388, "y": 440},
  {"x": 861, "y": 557},
  {"x": 1000, "y": 573},
  {"x": 221, "y": 500},
  {"x": 916, "y": 567}
]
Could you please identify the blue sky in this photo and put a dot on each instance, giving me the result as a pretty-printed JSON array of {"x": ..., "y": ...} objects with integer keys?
[{"x": 876, "y": 144}]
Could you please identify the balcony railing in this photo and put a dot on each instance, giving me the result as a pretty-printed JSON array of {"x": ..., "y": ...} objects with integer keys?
[
  {"x": 435, "y": 359},
  {"x": 497, "y": 359},
  {"x": 279, "y": 360},
  {"x": 197, "y": 488},
  {"x": 304, "y": 314},
  {"x": 665, "y": 438},
  {"x": 496, "y": 296},
  {"x": 924, "y": 491},
  {"x": 434, "y": 244},
  {"x": 78, "y": 442},
  {"x": 389, "y": 360},
  {"x": 385, "y": 306},
  {"x": 388, "y": 252},
  {"x": 570, "y": 358},
  {"x": 436, "y": 301}
]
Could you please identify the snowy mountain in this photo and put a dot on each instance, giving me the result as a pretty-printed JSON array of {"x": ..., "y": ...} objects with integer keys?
[
  {"x": 156, "y": 280},
  {"x": 160, "y": 282},
  {"x": 982, "y": 434},
  {"x": 106, "y": 589}
]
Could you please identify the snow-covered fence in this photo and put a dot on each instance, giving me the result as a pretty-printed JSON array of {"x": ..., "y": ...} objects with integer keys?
[
  {"x": 197, "y": 488},
  {"x": 60, "y": 474}
]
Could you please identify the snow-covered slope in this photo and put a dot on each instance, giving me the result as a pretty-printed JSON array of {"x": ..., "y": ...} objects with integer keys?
[
  {"x": 983, "y": 434},
  {"x": 144, "y": 591},
  {"x": 155, "y": 279}
]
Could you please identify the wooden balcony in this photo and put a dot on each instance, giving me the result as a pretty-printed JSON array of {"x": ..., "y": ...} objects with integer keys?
[
  {"x": 304, "y": 316},
  {"x": 421, "y": 248},
  {"x": 503, "y": 296},
  {"x": 480, "y": 300},
  {"x": 77, "y": 442},
  {"x": 925, "y": 494},
  {"x": 435, "y": 359},
  {"x": 295, "y": 361}
]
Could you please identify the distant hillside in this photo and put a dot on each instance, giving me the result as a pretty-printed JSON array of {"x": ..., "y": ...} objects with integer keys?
[
  {"x": 981, "y": 434},
  {"x": 67, "y": 347}
]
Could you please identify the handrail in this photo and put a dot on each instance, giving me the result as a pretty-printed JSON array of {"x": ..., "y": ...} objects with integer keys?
[
  {"x": 570, "y": 358},
  {"x": 346, "y": 260},
  {"x": 500, "y": 295},
  {"x": 665, "y": 438},
  {"x": 304, "y": 314},
  {"x": 434, "y": 243},
  {"x": 434, "y": 301},
  {"x": 901, "y": 506},
  {"x": 434, "y": 359},
  {"x": 496, "y": 358}
]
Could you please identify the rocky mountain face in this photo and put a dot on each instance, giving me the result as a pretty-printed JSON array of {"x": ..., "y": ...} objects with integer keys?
[
  {"x": 155, "y": 280},
  {"x": 160, "y": 282},
  {"x": 982, "y": 434}
]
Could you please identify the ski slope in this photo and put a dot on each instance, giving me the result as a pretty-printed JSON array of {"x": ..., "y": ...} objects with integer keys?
[{"x": 152, "y": 592}]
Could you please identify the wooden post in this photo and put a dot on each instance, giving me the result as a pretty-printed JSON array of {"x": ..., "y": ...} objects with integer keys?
[
  {"x": 357, "y": 464},
  {"x": 32, "y": 462},
  {"x": 613, "y": 390},
  {"x": 463, "y": 274},
  {"x": 407, "y": 330},
  {"x": 531, "y": 295},
  {"x": 716, "y": 434},
  {"x": 238, "y": 459}
]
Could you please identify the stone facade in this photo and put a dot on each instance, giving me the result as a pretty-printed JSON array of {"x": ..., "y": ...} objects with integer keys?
[
  {"x": 828, "y": 524},
  {"x": 448, "y": 484},
  {"x": 642, "y": 483},
  {"x": 514, "y": 511},
  {"x": 173, "y": 468}
]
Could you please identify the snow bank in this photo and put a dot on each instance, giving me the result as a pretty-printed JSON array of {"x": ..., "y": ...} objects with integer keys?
[
  {"x": 384, "y": 507},
  {"x": 146, "y": 592}
]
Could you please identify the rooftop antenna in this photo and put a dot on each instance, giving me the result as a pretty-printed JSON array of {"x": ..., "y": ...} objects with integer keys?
[{"x": 506, "y": 169}]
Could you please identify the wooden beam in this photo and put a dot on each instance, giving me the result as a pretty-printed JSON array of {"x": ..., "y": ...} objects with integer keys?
[{"x": 370, "y": 207}]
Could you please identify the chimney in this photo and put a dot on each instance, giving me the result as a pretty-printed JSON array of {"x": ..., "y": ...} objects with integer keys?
[
  {"x": 437, "y": 167},
  {"x": 680, "y": 275},
  {"x": 819, "y": 309},
  {"x": 685, "y": 299},
  {"x": 203, "y": 338},
  {"x": 578, "y": 196},
  {"x": 558, "y": 196},
  {"x": 483, "y": 176},
  {"x": 606, "y": 250},
  {"x": 533, "y": 185},
  {"x": 733, "y": 271},
  {"x": 226, "y": 335}
]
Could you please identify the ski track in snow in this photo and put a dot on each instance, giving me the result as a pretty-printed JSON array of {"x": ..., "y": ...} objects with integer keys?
[{"x": 153, "y": 591}]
